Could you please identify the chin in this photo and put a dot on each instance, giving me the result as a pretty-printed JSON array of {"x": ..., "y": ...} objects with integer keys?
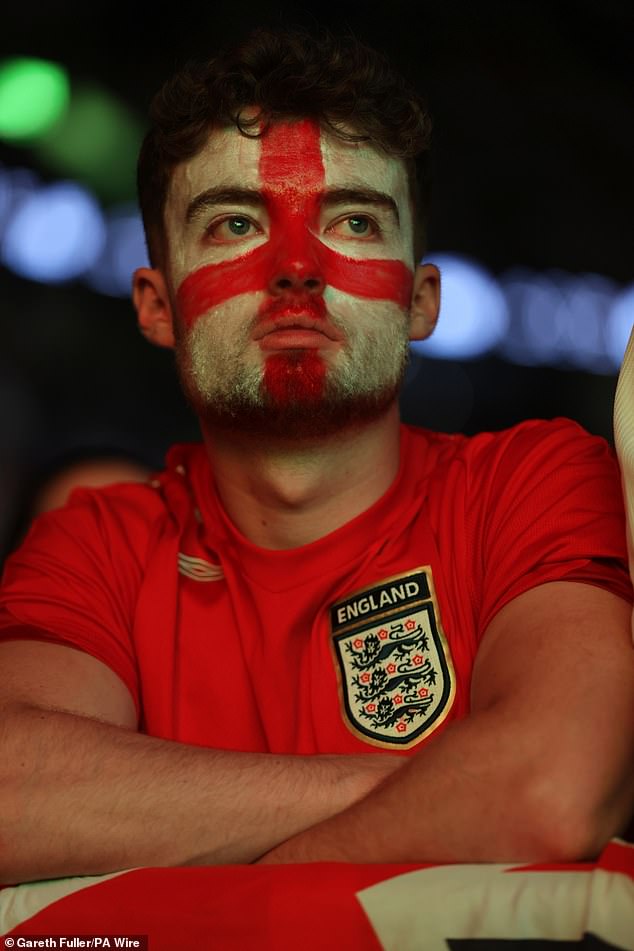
[
  {"x": 294, "y": 397},
  {"x": 299, "y": 419}
]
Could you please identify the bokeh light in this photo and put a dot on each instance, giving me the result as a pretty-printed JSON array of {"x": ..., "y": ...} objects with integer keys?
[
  {"x": 97, "y": 142},
  {"x": 15, "y": 185},
  {"x": 587, "y": 300},
  {"x": 34, "y": 95},
  {"x": 123, "y": 251},
  {"x": 619, "y": 324},
  {"x": 55, "y": 234},
  {"x": 473, "y": 311}
]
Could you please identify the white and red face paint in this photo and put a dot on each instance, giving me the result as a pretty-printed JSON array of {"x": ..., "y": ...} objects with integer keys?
[{"x": 292, "y": 262}]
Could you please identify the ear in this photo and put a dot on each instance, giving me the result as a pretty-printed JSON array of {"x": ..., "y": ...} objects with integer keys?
[
  {"x": 153, "y": 307},
  {"x": 425, "y": 302}
]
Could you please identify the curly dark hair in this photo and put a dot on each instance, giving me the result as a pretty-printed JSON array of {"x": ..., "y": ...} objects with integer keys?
[{"x": 336, "y": 80}]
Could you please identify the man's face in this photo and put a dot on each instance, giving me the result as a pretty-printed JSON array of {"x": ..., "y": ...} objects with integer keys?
[{"x": 291, "y": 261}]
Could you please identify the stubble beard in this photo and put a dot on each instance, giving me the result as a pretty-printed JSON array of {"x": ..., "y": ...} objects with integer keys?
[{"x": 223, "y": 379}]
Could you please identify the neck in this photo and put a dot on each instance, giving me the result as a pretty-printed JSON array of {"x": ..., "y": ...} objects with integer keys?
[{"x": 285, "y": 494}]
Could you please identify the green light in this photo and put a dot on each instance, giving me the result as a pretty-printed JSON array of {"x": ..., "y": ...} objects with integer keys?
[
  {"x": 33, "y": 95},
  {"x": 96, "y": 142}
]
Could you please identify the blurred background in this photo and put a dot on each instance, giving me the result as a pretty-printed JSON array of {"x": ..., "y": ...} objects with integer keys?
[{"x": 531, "y": 217}]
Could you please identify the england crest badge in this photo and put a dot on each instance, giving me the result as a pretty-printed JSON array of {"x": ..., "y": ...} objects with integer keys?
[{"x": 396, "y": 676}]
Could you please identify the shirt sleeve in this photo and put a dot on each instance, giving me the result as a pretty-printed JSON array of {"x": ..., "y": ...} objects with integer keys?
[
  {"x": 76, "y": 577},
  {"x": 545, "y": 506}
]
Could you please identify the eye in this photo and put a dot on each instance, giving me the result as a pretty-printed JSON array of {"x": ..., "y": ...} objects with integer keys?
[
  {"x": 355, "y": 226},
  {"x": 232, "y": 228}
]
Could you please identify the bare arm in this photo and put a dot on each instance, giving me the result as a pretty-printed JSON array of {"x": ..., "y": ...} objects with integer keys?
[
  {"x": 543, "y": 769},
  {"x": 82, "y": 792}
]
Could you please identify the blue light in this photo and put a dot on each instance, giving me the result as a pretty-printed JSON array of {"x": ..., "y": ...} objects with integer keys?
[
  {"x": 5, "y": 195},
  {"x": 473, "y": 311},
  {"x": 587, "y": 302},
  {"x": 54, "y": 235},
  {"x": 620, "y": 322},
  {"x": 15, "y": 185},
  {"x": 538, "y": 321},
  {"x": 123, "y": 251}
]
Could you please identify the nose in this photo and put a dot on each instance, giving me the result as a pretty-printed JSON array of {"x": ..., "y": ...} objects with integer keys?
[
  {"x": 297, "y": 269},
  {"x": 295, "y": 277}
]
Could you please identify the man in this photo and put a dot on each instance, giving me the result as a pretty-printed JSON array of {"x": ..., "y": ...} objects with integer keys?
[
  {"x": 624, "y": 440},
  {"x": 320, "y": 635}
]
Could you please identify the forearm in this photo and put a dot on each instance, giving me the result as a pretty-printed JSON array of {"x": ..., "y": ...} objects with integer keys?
[
  {"x": 472, "y": 795},
  {"x": 535, "y": 772},
  {"x": 79, "y": 796}
]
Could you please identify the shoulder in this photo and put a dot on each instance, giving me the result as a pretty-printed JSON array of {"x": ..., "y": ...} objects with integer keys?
[
  {"x": 545, "y": 444},
  {"x": 537, "y": 439},
  {"x": 537, "y": 477},
  {"x": 120, "y": 521},
  {"x": 540, "y": 453},
  {"x": 541, "y": 437},
  {"x": 144, "y": 502}
]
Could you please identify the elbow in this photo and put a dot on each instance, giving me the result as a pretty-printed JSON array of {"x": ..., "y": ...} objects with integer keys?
[
  {"x": 573, "y": 822},
  {"x": 575, "y": 837}
]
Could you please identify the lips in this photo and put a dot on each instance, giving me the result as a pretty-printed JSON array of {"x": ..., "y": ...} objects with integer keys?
[{"x": 295, "y": 326}]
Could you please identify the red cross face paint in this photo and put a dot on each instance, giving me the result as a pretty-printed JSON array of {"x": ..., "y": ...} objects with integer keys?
[{"x": 292, "y": 259}]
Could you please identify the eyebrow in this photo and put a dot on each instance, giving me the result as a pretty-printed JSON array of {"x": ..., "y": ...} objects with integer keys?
[
  {"x": 360, "y": 196},
  {"x": 221, "y": 195}
]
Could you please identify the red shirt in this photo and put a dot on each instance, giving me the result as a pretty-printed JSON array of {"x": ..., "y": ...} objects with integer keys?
[{"x": 363, "y": 639}]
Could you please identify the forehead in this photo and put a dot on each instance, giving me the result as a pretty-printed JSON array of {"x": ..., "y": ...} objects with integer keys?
[{"x": 309, "y": 155}]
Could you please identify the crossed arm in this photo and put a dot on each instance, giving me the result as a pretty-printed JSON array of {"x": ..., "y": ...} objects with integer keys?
[{"x": 542, "y": 769}]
